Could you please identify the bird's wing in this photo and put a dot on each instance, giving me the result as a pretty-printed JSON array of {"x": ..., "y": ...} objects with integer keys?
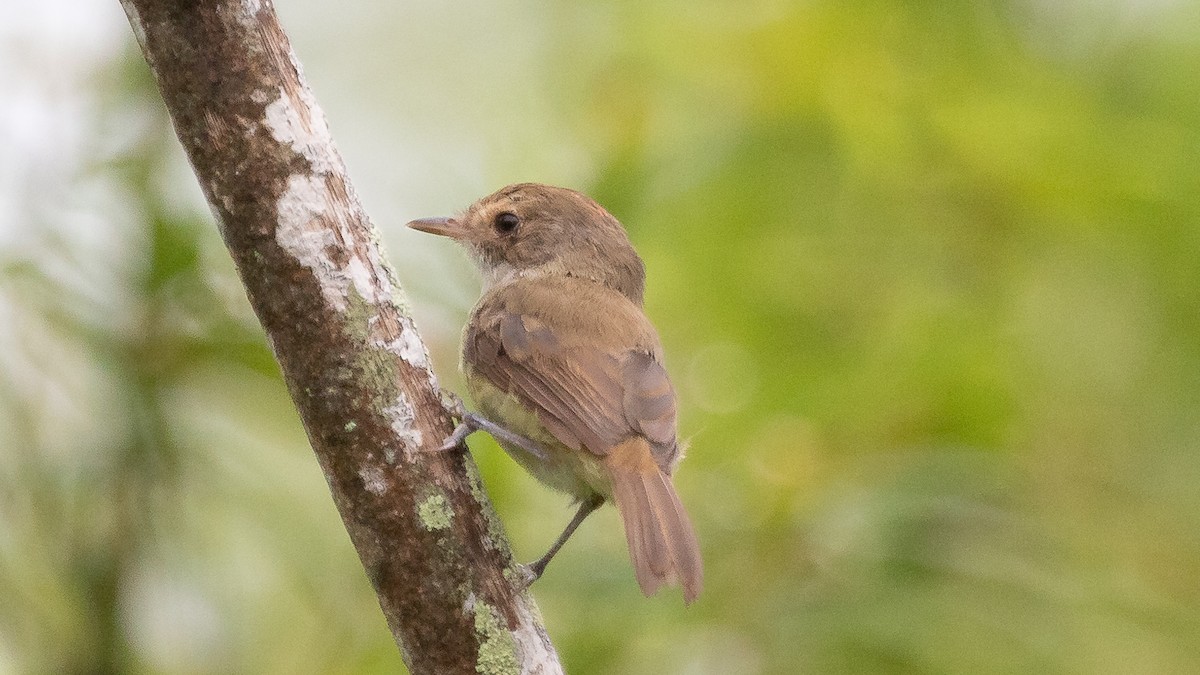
[{"x": 589, "y": 390}]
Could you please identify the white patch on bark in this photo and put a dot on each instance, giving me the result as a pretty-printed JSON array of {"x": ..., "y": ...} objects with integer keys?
[
  {"x": 295, "y": 120},
  {"x": 402, "y": 418},
  {"x": 313, "y": 227},
  {"x": 360, "y": 276},
  {"x": 409, "y": 347},
  {"x": 312, "y": 243},
  {"x": 301, "y": 125},
  {"x": 534, "y": 649},
  {"x": 248, "y": 17},
  {"x": 373, "y": 480}
]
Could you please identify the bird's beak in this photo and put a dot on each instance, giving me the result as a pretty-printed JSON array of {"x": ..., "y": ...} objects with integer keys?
[{"x": 445, "y": 227}]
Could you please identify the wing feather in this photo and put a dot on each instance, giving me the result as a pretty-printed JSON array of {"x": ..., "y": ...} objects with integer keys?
[{"x": 591, "y": 393}]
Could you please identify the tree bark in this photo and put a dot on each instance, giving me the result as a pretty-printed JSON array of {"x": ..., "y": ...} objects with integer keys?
[{"x": 334, "y": 314}]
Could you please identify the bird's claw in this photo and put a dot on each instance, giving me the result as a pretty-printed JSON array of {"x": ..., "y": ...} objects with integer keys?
[
  {"x": 453, "y": 403},
  {"x": 456, "y": 439},
  {"x": 525, "y": 575}
]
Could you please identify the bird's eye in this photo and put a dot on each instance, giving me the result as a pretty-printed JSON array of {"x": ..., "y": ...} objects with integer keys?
[{"x": 506, "y": 222}]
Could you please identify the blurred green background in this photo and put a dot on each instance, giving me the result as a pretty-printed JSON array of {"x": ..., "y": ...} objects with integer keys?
[{"x": 927, "y": 273}]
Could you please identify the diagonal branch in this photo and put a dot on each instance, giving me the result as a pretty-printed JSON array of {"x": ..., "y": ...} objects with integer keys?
[{"x": 334, "y": 314}]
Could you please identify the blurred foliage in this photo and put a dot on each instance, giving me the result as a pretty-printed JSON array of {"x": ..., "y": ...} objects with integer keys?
[{"x": 928, "y": 280}]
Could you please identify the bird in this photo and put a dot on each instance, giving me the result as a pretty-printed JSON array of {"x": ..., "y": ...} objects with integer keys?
[{"x": 567, "y": 371}]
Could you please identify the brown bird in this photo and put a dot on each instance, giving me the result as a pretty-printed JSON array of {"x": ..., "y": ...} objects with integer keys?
[{"x": 567, "y": 370}]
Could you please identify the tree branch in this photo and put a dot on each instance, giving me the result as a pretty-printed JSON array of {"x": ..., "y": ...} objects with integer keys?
[{"x": 334, "y": 314}]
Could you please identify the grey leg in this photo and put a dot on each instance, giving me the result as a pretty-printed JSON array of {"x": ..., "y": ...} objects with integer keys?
[
  {"x": 534, "y": 570},
  {"x": 472, "y": 422}
]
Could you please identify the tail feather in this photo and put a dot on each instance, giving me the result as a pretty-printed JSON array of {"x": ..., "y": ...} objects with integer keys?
[
  {"x": 662, "y": 543},
  {"x": 681, "y": 538}
]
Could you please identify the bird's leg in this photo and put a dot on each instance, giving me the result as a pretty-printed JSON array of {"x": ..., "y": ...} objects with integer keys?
[
  {"x": 470, "y": 422},
  {"x": 533, "y": 571}
]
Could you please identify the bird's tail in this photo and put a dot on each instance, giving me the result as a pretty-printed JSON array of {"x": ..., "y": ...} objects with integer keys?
[{"x": 662, "y": 543}]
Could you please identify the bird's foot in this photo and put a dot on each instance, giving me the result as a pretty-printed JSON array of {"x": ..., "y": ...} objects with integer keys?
[
  {"x": 453, "y": 404},
  {"x": 526, "y": 574},
  {"x": 533, "y": 571}
]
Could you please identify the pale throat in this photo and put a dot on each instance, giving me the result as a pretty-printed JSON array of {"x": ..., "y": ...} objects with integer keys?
[{"x": 502, "y": 274}]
